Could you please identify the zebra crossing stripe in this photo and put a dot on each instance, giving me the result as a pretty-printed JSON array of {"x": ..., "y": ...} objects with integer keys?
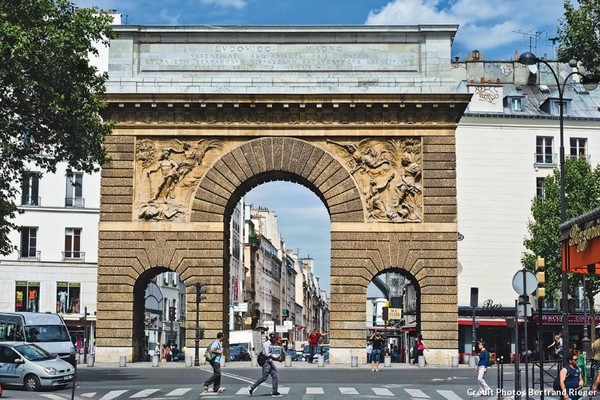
[
  {"x": 113, "y": 394},
  {"x": 315, "y": 390},
  {"x": 178, "y": 392},
  {"x": 88, "y": 395},
  {"x": 52, "y": 397},
  {"x": 449, "y": 394},
  {"x": 144, "y": 393},
  {"x": 382, "y": 392},
  {"x": 417, "y": 393},
  {"x": 348, "y": 390}
]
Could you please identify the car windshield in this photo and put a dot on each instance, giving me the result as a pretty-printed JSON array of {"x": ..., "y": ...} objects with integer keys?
[
  {"x": 46, "y": 333},
  {"x": 33, "y": 352},
  {"x": 235, "y": 350}
]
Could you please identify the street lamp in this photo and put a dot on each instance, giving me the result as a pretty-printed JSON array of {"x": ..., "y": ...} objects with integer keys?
[{"x": 590, "y": 82}]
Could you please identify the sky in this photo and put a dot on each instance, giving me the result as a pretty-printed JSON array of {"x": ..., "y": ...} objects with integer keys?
[{"x": 496, "y": 28}]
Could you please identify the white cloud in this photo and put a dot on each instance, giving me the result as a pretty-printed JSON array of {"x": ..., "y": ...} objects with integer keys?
[
  {"x": 237, "y": 4},
  {"x": 483, "y": 24}
]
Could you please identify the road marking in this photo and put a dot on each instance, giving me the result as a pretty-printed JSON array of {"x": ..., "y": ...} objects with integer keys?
[
  {"x": 88, "y": 395},
  {"x": 283, "y": 390},
  {"x": 52, "y": 397},
  {"x": 417, "y": 393},
  {"x": 382, "y": 392},
  {"x": 449, "y": 394},
  {"x": 314, "y": 390},
  {"x": 348, "y": 390},
  {"x": 178, "y": 392},
  {"x": 113, "y": 394},
  {"x": 144, "y": 393}
]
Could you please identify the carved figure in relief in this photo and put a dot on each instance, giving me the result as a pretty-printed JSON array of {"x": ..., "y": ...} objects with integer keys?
[
  {"x": 399, "y": 198},
  {"x": 170, "y": 175},
  {"x": 362, "y": 156},
  {"x": 376, "y": 207}
]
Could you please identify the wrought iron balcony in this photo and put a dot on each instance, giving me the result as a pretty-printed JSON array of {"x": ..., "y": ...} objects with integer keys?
[
  {"x": 73, "y": 255},
  {"x": 545, "y": 159},
  {"x": 29, "y": 254},
  {"x": 75, "y": 202}
]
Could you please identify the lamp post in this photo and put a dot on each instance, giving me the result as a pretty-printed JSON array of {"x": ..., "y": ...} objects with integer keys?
[{"x": 590, "y": 82}]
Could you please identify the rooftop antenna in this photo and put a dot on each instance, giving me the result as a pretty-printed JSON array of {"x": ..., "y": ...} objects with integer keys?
[
  {"x": 553, "y": 40},
  {"x": 533, "y": 38}
]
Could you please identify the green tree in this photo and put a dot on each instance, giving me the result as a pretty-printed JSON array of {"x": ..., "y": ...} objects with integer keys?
[
  {"x": 582, "y": 189},
  {"x": 579, "y": 33},
  {"x": 50, "y": 95}
]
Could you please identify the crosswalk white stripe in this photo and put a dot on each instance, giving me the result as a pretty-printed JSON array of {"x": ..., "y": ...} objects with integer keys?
[
  {"x": 283, "y": 390},
  {"x": 144, "y": 393},
  {"x": 113, "y": 394},
  {"x": 382, "y": 392},
  {"x": 449, "y": 394},
  {"x": 52, "y": 397},
  {"x": 348, "y": 390},
  {"x": 88, "y": 395},
  {"x": 315, "y": 390},
  {"x": 417, "y": 393},
  {"x": 178, "y": 392}
]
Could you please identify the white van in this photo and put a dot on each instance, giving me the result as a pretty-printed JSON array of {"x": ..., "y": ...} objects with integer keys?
[{"x": 47, "y": 330}]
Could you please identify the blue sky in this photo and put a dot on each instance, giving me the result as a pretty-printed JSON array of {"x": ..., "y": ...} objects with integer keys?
[{"x": 497, "y": 28}]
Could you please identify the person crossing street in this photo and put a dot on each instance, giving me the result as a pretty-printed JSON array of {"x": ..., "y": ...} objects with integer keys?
[{"x": 268, "y": 367}]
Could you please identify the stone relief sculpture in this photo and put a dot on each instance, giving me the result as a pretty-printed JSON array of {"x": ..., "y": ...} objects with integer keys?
[
  {"x": 390, "y": 173},
  {"x": 168, "y": 176}
]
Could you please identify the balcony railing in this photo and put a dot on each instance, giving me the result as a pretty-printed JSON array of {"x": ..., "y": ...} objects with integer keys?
[
  {"x": 587, "y": 157},
  {"x": 29, "y": 255},
  {"x": 31, "y": 201},
  {"x": 546, "y": 159},
  {"x": 75, "y": 202},
  {"x": 73, "y": 255}
]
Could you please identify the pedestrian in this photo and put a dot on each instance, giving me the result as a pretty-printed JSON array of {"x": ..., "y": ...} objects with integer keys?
[
  {"x": 420, "y": 347},
  {"x": 313, "y": 342},
  {"x": 268, "y": 367},
  {"x": 377, "y": 341},
  {"x": 369, "y": 351},
  {"x": 215, "y": 348},
  {"x": 595, "y": 357},
  {"x": 571, "y": 380},
  {"x": 395, "y": 354},
  {"x": 557, "y": 343},
  {"x": 482, "y": 365}
]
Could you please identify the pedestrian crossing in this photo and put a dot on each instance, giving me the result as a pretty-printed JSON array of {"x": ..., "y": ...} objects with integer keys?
[{"x": 299, "y": 391}]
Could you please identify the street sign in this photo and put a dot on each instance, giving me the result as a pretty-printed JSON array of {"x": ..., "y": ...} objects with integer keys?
[
  {"x": 240, "y": 307},
  {"x": 524, "y": 282},
  {"x": 395, "y": 313},
  {"x": 280, "y": 329},
  {"x": 288, "y": 325}
]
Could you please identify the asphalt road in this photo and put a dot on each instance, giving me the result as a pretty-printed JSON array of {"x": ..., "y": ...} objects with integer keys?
[{"x": 300, "y": 381}]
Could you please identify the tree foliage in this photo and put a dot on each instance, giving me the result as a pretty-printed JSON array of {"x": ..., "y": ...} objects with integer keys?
[
  {"x": 50, "y": 95},
  {"x": 579, "y": 33},
  {"x": 582, "y": 194}
]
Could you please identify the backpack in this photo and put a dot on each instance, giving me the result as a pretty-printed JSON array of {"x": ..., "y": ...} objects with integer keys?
[
  {"x": 262, "y": 359},
  {"x": 209, "y": 355}
]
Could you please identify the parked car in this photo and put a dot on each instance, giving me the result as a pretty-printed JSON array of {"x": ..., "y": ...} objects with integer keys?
[
  {"x": 323, "y": 350},
  {"x": 30, "y": 366},
  {"x": 295, "y": 356},
  {"x": 238, "y": 353}
]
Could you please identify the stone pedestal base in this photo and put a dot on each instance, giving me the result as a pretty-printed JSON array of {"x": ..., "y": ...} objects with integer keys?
[{"x": 113, "y": 354}]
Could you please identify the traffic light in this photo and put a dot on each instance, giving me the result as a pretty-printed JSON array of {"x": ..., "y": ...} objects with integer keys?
[
  {"x": 171, "y": 313},
  {"x": 200, "y": 290},
  {"x": 541, "y": 276},
  {"x": 385, "y": 314}
]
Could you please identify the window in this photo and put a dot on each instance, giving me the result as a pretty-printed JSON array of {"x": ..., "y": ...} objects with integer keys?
[
  {"x": 27, "y": 296},
  {"x": 28, "y": 247},
  {"x": 578, "y": 147},
  {"x": 74, "y": 190},
  {"x": 539, "y": 187},
  {"x": 543, "y": 150},
  {"x": 515, "y": 103},
  {"x": 555, "y": 107},
  {"x": 30, "y": 190},
  {"x": 73, "y": 244},
  {"x": 67, "y": 297}
]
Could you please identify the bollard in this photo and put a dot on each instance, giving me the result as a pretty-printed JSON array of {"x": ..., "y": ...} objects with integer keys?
[
  {"x": 455, "y": 361},
  {"x": 421, "y": 361},
  {"x": 122, "y": 361},
  {"x": 90, "y": 360},
  {"x": 320, "y": 361},
  {"x": 222, "y": 362},
  {"x": 189, "y": 361},
  {"x": 354, "y": 361},
  {"x": 387, "y": 361},
  {"x": 288, "y": 361},
  {"x": 155, "y": 361},
  {"x": 466, "y": 358},
  {"x": 472, "y": 361},
  {"x": 254, "y": 362}
]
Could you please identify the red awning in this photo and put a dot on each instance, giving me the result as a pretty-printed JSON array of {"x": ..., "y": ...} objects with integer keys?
[{"x": 484, "y": 321}]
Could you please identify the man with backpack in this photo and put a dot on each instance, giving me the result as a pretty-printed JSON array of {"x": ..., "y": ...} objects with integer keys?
[
  {"x": 268, "y": 368},
  {"x": 216, "y": 349}
]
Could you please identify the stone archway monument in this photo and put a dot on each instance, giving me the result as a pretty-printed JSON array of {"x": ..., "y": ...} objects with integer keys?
[{"x": 363, "y": 116}]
